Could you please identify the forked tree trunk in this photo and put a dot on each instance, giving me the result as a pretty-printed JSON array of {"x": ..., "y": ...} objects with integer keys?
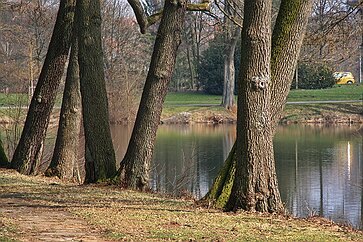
[
  {"x": 101, "y": 162},
  {"x": 65, "y": 155},
  {"x": 134, "y": 169},
  {"x": 26, "y": 158},
  {"x": 248, "y": 179}
]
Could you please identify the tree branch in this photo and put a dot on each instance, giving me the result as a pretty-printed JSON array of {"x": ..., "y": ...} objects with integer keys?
[
  {"x": 203, "y": 6},
  {"x": 154, "y": 18},
  {"x": 145, "y": 21},
  {"x": 140, "y": 15}
]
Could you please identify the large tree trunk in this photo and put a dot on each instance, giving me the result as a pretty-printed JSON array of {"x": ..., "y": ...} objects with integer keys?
[
  {"x": 248, "y": 178},
  {"x": 26, "y": 158},
  {"x": 229, "y": 72},
  {"x": 255, "y": 184},
  {"x": 134, "y": 170},
  {"x": 65, "y": 155},
  {"x": 94, "y": 97}
]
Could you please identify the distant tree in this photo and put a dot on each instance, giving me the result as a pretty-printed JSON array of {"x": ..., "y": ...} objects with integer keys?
[
  {"x": 64, "y": 162},
  {"x": 212, "y": 64},
  {"x": 211, "y": 68},
  {"x": 248, "y": 178},
  {"x": 126, "y": 54},
  {"x": 232, "y": 22},
  {"x": 333, "y": 35},
  {"x": 27, "y": 156},
  {"x": 100, "y": 154}
]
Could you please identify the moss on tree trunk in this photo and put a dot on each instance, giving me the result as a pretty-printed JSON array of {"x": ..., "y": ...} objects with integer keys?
[{"x": 250, "y": 166}]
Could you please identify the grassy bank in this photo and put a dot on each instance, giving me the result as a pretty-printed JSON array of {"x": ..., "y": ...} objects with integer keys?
[
  {"x": 338, "y": 92},
  {"x": 204, "y": 108},
  {"x": 128, "y": 215},
  {"x": 313, "y": 113}
]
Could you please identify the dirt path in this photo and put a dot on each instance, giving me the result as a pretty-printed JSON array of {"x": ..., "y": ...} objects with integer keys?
[
  {"x": 39, "y": 215},
  {"x": 36, "y": 222}
]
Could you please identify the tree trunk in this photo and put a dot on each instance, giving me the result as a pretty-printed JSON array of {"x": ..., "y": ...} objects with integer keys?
[
  {"x": 65, "y": 155},
  {"x": 26, "y": 158},
  {"x": 4, "y": 162},
  {"x": 94, "y": 97},
  {"x": 134, "y": 170},
  {"x": 229, "y": 72},
  {"x": 248, "y": 178}
]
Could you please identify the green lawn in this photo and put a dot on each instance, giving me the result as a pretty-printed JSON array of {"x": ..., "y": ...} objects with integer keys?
[{"x": 338, "y": 92}]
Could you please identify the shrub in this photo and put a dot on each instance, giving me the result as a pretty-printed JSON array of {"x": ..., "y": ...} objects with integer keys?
[{"x": 314, "y": 76}]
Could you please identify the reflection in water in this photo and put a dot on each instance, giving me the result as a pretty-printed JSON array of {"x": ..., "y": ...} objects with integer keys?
[
  {"x": 327, "y": 178},
  {"x": 319, "y": 168}
]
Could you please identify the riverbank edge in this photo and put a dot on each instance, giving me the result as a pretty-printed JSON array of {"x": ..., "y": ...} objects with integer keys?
[
  {"x": 154, "y": 216},
  {"x": 333, "y": 113},
  {"x": 337, "y": 113}
]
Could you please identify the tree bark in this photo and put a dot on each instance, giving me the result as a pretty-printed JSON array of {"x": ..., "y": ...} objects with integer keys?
[
  {"x": 248, "y": 178},
  {"x": 26, "y": 158},
  {"x": 93, "y": 91},
  {"x": 65, "y": 155},
  {"x": 134, "y": 169}
]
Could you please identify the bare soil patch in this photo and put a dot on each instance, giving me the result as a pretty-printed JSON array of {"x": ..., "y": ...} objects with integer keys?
[{"x": 31, "y": 218}]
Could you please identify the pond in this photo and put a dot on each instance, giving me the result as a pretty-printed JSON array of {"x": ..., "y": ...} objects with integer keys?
[{"x": 319, "y": 168}]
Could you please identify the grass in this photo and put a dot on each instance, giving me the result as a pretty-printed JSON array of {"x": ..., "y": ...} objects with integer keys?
[
  {"x": 133, "y": 216},
  {"x": 338, "y": 92},
  {"x": 192, "y": 102}
]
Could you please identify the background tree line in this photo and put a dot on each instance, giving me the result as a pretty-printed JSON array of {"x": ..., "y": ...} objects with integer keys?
[{"x": 333, "y": 39}]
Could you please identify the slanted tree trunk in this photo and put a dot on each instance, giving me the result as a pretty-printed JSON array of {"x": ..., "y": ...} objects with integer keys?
[
  {"x": 4, "y": 162},
  {"x": 229, "y": 72},
  {"x": 248, "y": 178},
  {"x": 101, "y": 162},
  {"x": 134, "y": 170},
  {"x": 26, "y": 158},
  {"x": 65, "y": 155}
]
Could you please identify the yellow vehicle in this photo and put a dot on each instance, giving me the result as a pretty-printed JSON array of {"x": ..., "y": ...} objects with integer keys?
[{"x": 344, "y": 78}]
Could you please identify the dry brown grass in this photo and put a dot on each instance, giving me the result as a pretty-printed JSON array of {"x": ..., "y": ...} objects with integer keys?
[{"x": 128, "y": 215}]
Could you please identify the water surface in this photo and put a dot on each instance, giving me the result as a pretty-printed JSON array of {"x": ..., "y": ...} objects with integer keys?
[{"x": 319, "y": 168}]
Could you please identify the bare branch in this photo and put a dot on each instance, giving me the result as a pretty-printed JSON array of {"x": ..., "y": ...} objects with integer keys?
[
  {"x": 145, "y": 21},
  {"x": 154, "y": 18},
  {"x": 140, "y": 15},
  {"x": 228, "y": 15}
]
